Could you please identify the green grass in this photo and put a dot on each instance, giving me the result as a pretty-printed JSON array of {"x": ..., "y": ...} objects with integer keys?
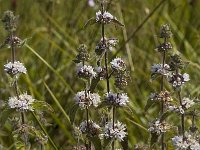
[{"x": 55, "y": 32}]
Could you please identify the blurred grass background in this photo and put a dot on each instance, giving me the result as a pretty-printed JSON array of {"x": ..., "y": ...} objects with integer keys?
[{"x": 55, "y": 30}]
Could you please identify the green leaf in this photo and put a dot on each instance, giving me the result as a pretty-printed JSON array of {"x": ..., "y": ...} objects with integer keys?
[
  {"x": 116, "y": 22},
  {"x": 72, "y": 113},
  {"x": 42, "y": 105},
  {"x": 91, "y": 21},
  {"x": 94, "y": 83},
  {"x": 149, "y": 104},
  {"x": 124, "y": 143},
  {"x": 165, "y": 115},
  {"x": 106, "y": 143},
  {"x": 4, "y": 115},
  {"x": 96, "y": 142},
  {"x": 154, "y": 139}
]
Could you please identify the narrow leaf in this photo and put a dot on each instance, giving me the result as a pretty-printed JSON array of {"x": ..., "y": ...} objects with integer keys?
[
  {"x": 116, "y": 22},
  {"x": 91, "y": 21}
]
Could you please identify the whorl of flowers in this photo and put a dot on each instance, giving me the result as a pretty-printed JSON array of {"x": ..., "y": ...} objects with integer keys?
[
  {"x": 163, "y": 95},
  {"x": 118, "y": 64},
  {"x": 118, "y": 132},
  {"x": 106, "y": 17},
  {"x": 159, "y": 69},
  {"x": 14, "y": 68},
  {"x": 22, "y": 103},
  {"x": 188, "y": 143},
  {"x": 158, "y": 127},
  {"x": 116, "y": 99},
  {"x": 186, "y": 104},
  {"x": 91, "y": 129},
  {"x": 177, "y": 80},
  {"x": 164, "y": 47},
  {"x": 84, "y": 99},
  {"x": 86, "y": 72}
]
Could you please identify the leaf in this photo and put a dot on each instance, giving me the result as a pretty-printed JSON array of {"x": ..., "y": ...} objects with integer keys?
[
  {"x": 154, "y": 138},
  {"x": 5, "y": 114},
  {"x": 72, "y": 113},
  {"x": 96, "y": 142},
  {"x": 124, "y": 143},
  {"x": 149, "y": 104},
  {"x": 43, "y": 106},
  {"x": 94, "y": 83},
  {"x": 165, "y": 115},
  {"x": 76, "y": 61},
  {"x": 106, "y": 143},
  {"x": 115, "y": 21},
  {"x": 91, "y": 21}
]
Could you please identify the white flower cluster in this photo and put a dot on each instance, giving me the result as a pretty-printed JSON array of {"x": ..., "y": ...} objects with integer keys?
[
  {"x": 106, "y": 17},
  {"x": 112, "y": 43},
  {"x": 178, "y": 80},
  {"x": 84, "y": 99},
  {"x": 160, "y": 69},
  {"x": 14, "y": 68},
  {"x": 186, "y": 104},
  {"x": 189, "y": 143},
  {"x": 118, "y": 64},
  {"x": 119, "y": 99},
  {"x": 163, "y": 95},
  {"x": 22, "y": 103},
  {"x": 158, "y": 127},
  {"x": 92, "y": 128},
  {"x": 86, "y": 72},
  {"x": 118, "y": 132}
]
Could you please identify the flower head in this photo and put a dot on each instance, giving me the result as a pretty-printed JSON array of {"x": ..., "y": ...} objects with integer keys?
[
  {"x": 22, "y": 103},
  {"x": 84, "y": 99},
  {"x": 159, "y": 69},
  {"x": 177, "y": 80},
  {"x": 119, "y": 99},
  {"x": 91, "y": 3},
  {"x": 118, "y": 64},
  {"x": 158, "y": 127},
  {"x": 106, "y": 17},
  {"x": 118, "y": 132},
  {"x": 91, "y": 129},
  {"x": 14, "y": 68},
  {"x": 188, "y": 143},
  {"x": 86, "y": 72}
]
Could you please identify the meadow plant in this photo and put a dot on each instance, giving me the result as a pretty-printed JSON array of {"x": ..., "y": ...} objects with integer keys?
[
  {"x": 171, "y": 102},
  {"x": 110, "y": 130},
  {"x": 20, "y": 104}
]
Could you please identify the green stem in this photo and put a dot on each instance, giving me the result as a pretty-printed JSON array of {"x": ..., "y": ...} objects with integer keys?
[{"x": 43, "y": 129}]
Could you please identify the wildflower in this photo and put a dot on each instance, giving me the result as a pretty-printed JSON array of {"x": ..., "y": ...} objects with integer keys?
[
  {"x": 118, "y": 64},
  {"x": 112, "y": 43},
  {"x": 118, "y": 132},
  {"x": 187, "y": 102},
  {"x": 84, "y": 99},
  {"x": 163, "y": 95},
  {"x": 121, "y": 80},
  {"x": 86, "y": 72},
  {"x": 177, "y": 80},
  {"x": 165, "y": 31},
  {"x": 91, "y": 129},
  {"x": 14, "y": 68},
  {"x": 158, "y": 127},
  {"x": 10, "y": 21},
  {"x": 106, "y": 17},
  {"x": 83, "y": 54},
  {"x": 160, "y": 69},
  {"x": 164, "y": 47},
  {"x": 188, "y": 143},
  {"x": 101, "y": 72},
  {"x": 22, "y": 103},
  {"x": 119, "y": 99}
]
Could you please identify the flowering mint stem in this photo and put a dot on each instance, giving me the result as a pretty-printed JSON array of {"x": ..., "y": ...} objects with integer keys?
[
  {"x": 107, "y": 74},
  {"x": 182, "y": 115},
  {"x": 162, "y": 89}
]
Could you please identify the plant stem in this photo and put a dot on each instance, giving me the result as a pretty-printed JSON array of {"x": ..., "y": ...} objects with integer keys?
[
  {"x": 182, "y": 115},
  {"x": 162, "y": 89},
  {"x": 107, "y": 74}
]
